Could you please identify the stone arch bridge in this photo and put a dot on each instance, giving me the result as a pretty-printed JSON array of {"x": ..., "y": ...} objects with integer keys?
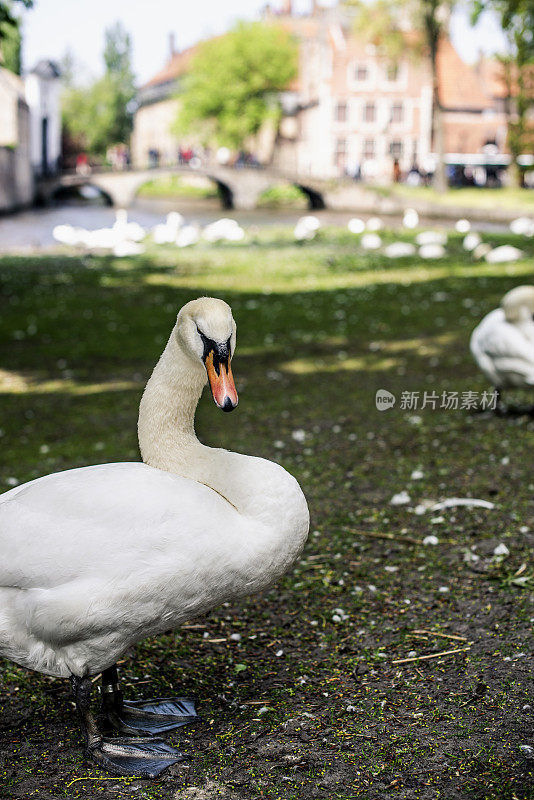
[{"x": 239, "y": 188}]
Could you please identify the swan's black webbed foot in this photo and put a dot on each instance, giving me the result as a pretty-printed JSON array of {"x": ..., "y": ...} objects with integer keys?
[
  {"x": 146, "y": 758},
  {"x": 150, "y": 717}
]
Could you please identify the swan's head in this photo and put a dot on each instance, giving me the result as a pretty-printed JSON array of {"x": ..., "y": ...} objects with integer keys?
[
  {"x": 205, "y": 330},
  {"x": 518, "y": 304}
]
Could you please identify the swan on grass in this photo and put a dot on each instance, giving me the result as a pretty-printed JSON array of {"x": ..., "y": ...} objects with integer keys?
[
  {"x": 503, "y": 343},
  {"x": 166, "y": 232},
  {"x": 97, "y": 558},
  {"x": 410, "y": 218},
  {"x": 356, "y": 225},
  {"x": 224, "y": 229}
]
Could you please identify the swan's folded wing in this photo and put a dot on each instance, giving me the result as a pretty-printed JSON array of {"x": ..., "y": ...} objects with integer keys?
[
  {"x": 502, "y": 349},
  {"x": 60, "y": 527},
  {"x": 511, "y": 352}
]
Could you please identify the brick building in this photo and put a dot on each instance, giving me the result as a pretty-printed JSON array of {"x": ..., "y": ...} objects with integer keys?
[{"x": 350, "y": 109}]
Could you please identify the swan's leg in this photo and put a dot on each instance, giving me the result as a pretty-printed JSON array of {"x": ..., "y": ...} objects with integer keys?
[
  {"x": 500, "y": 408},
  {"x": 152, "y": 717},
  {"x": 145, "y": 758}
]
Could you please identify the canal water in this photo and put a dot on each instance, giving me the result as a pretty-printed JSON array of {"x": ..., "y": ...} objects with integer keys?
[{"x": 31, "y": 230}]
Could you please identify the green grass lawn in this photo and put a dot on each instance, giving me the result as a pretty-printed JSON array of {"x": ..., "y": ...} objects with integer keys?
[
  {"x": 175, "y": 186},
  {"x": 310, "y": 702},
  {"x": 509, "y": 198}
]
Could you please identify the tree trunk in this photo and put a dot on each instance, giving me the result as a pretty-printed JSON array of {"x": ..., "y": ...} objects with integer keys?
[{"x": 440, "y": 176}]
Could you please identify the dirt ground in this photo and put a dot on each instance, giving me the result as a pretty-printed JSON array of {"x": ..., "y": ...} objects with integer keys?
[{"x": 305, "y": 691}]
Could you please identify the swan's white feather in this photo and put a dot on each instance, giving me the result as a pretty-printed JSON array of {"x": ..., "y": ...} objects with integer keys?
[
  {"x": 95, "y": 559},
  {"x": 94, "y": 556},
  {"x": 504, "y": 350}
]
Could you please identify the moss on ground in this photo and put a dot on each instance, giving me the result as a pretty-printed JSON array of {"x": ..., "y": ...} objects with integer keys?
[{"x": 309, "y": 702}]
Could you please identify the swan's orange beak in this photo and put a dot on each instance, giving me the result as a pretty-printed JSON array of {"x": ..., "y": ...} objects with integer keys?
[{"x": 221, "y": 380}]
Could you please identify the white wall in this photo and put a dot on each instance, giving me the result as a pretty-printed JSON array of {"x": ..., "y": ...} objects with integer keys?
[{"x": 43, "y": 98}]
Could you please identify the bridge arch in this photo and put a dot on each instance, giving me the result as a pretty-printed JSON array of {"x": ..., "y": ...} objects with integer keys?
[
  {"x": 315, "y": 199},
  {"x": 237, "y": 188},
  {"x": 54, "y": 192},
  {"x": 226, "y": 195}
]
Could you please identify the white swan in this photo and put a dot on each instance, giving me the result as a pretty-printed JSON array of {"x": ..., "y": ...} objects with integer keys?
[
  {"x": 503, "y": 343},
  {"x": 223, "y": 229},
  {"x": 166, "y": 232},
  {"x": 410, "y": 218},
  {"x": 356, "y": 225},
  {"x": 96, "y": 559}
]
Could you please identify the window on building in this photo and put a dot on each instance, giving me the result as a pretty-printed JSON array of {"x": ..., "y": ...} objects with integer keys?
[
  {"x": 395, "y": 149},
  {"x": 392, "y": 71},
  {"x": 341, "y": 112},
  {"x": 361, "y": 73},
  {"x": 341, "y": 147},
  {"x": 397, "y": 112},
  {"x": 369, "y": 112},
  {"x": 369, "y": 148},
  {"x": 340, "y": 155}
]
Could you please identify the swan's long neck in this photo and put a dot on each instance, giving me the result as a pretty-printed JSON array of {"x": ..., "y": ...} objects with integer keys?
[
  {"x": 259, "y": 490},
  {"x": 167, "y": 411}
]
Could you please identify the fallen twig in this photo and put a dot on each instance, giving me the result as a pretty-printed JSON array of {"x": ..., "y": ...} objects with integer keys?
[
  {"x": 432, "y": 655},
  {"x": 116, "y": 778},
  {"x": 444, "y": 635}
]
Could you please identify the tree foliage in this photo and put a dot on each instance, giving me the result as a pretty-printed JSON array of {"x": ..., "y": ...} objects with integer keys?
[
  {"x": 232, "y": 85},
  {"x": 384, "y": 22},
  {"x": 517, "y": 21},
  {"x": 99, "y": 116},
  {"x": 380, "y": 22},
  {"x": 10, "y": 36}
]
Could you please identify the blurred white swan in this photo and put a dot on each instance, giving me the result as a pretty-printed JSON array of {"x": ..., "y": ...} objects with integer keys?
[
  {"x": 503, "y": 343},
  {"x": 356, "y": 225},
  {"x": 223, "y": 229},
  {"x": 410, "y": 218},
  {"x": 165, "y": 233},
  {"x": 187, "y": 236}
]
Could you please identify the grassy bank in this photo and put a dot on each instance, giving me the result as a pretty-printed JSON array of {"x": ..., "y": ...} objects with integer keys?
[
  {"x": 508, "y": 198},
  {"x": 174, "y": 186},
  {"x": 310, "y": 702}
]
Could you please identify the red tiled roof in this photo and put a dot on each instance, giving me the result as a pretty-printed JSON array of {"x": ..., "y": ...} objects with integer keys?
[
  {"x": 492, "y": 74},
  {"x": 176, "y": 66},
  {"x": 460, "y": 85}
]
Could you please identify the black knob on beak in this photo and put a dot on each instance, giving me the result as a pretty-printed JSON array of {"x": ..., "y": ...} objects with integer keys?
[{"x": 227, "y": 405}]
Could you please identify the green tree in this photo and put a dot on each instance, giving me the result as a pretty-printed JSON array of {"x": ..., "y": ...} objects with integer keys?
[
  {"x": 100, "y": 115},
  {"x": 119, "y": 83},
  {"x": 10, "y": 36},
  {"x": 517, "y": 22},
  {"x": 384, "y": 23},
  {"x": 232, "y": 86}
]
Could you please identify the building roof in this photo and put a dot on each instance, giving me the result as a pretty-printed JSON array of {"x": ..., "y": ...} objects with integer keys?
[
  {"x": 461, "y": 86},
  {"x": 46, "y": 69},
  {"x": 175, "y": 67}
]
